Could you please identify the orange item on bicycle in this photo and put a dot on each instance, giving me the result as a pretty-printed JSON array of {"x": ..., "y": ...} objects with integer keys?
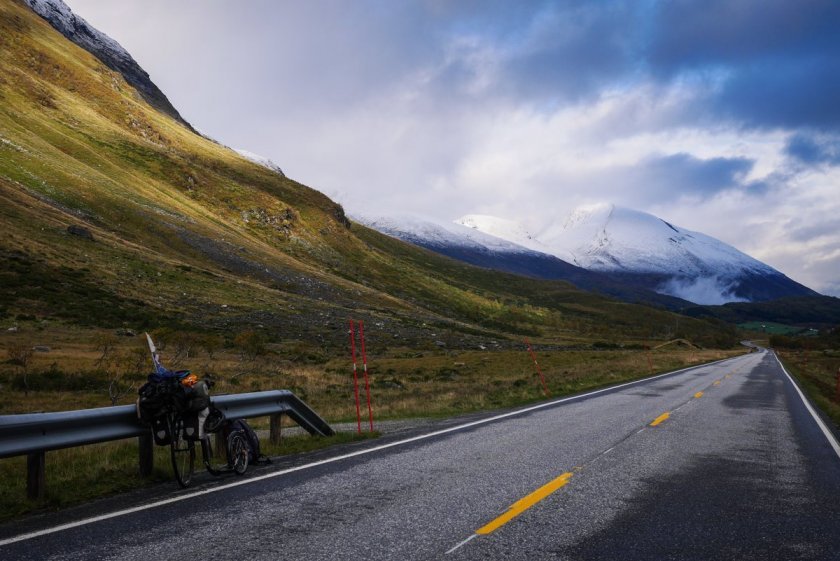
[{"x": 189, "y": 381}]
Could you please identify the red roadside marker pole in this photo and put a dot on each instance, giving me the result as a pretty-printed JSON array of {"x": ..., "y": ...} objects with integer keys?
[
  {"x": 367, "y": 382},
  {"x": 537, "y": 364},
  {"x": 355, "y": 378},
  {"x": 837, "y": 388}
]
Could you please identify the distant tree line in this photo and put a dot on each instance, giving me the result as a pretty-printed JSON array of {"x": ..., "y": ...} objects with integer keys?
[{"x": 828, "y": 339}]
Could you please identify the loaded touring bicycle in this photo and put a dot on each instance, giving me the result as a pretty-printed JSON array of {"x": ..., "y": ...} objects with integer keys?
[{"x": 176, "y": 405}]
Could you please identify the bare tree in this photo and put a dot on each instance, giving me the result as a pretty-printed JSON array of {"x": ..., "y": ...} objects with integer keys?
[
  {"x": 106, "y": 345},
  {"x": 20, "y": 354},
  {"x": 127, "y": 368},
  {"x": 211, "y": 344},
  {"x": 250, "y": 344},
  {"x": 182, "y": 344}
]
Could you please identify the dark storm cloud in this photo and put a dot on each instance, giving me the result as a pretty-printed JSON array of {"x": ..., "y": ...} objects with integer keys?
[
  {"x": 776, "y": 60},
  {"x": 767, "y": 63},
  {"x": 788, "y": 93},
  {"x": 814, "y": 150},
  {"x": 543, "y": 53},
  {"x": 685, "y": 174},
  {"x": 573, "y": 51},
  {"x": 726, "y": 32}
]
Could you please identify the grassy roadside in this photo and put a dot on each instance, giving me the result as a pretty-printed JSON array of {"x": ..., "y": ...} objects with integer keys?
[
  {"x": 78, "y": 475},
  {"x": 816, "y": 373},
  {"x": 403, "y": 385}
]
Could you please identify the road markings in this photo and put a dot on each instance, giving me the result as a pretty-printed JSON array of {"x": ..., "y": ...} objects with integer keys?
[
  {"x": 716, "y": 383},
  {"x": 518, "y": 508},
  {"x": 524, "y": 504},
  {"x": 832, "y": 441},
  {"x": 660, "y": 419},
  {"x": 559, "y": 482},
  {"x": 255, "y": 479}
]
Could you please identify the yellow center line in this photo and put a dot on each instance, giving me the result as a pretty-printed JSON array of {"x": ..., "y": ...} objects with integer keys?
[
  {"x": 660, "y": 419},
  {"x": 698, "y": 395},
  {"x": 716, "y": 383},
  {"x": 524, "y": 504}
]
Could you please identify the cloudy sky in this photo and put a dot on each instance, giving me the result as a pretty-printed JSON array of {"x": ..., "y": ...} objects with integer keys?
[{"x": 721, "y": 116}]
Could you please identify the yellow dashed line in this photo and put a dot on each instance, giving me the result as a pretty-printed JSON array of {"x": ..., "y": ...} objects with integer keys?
[
  {"x": 524, "y": 504},
  {"x": 716, "y": 383},
  {"x": 660, "y": 419},
  {"x": 698, "y": 395}
]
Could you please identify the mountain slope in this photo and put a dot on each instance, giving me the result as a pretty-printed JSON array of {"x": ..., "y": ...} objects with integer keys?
[
  {"x": 114, "y": 214},
  {"x": 804, "y": 311}
]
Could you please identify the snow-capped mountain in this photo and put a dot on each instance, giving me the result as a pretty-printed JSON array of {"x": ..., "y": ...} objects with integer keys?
[
  {"x": 505, "y": 229},
  {"x": 617, "y": 251},
  {"x": 111, "y": 53},
  {"x": 642, "y": 249},
  {"x": 520, "y": 255},
  {"x": 440, "y": 235},
  {"x": 261, "y": 160}
]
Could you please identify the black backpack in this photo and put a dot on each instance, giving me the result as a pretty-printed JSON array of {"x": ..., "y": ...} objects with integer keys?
[{"x": 254, "y": 454}]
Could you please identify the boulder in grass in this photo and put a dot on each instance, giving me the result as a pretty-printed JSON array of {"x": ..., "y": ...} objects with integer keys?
[{"x": 81, "y": 231}]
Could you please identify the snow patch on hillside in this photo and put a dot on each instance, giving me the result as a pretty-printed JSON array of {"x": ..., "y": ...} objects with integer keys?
[{"x": 261, "y": 160}]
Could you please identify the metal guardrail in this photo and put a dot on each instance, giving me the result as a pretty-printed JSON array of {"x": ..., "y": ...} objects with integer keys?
[
  {"x": 275, "y": 402},
  {"x": 41, "y": 432},
  {"x": 35, "y": 434}
]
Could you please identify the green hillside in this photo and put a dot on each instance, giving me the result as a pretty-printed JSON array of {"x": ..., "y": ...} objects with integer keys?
[
  {"x": 184, "y": 232},
  {"x": 799, "y": 311}
]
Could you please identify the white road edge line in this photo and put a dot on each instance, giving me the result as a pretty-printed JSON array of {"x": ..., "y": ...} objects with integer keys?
[
  {"x": 828, "y": 434},
  {"x": 86, "y": 521},
  {"x": 463, "y": 543}
]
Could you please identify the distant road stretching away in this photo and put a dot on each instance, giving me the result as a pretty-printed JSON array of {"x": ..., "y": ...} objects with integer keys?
[{"x": 724, "y": 461}]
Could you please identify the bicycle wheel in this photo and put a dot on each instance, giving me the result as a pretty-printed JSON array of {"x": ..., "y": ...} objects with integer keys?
[
  {"x": 182, "y": 450},
  {"x": 237, "y": 450},
  {"x": 207, "y": 456}
]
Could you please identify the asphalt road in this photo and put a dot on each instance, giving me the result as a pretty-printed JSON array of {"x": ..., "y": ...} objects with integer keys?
[{"x": 718, "y": 462}]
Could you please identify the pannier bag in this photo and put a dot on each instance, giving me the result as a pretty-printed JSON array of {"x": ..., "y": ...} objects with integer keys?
[{"x": 160, "y": 432}]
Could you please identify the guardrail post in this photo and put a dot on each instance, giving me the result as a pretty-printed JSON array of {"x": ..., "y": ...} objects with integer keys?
[
  {"x": 36, "y": 480},
  {"x": 276, "y": 432},
  {"x": 220, "y": 444},
  {"x": 146, "y": 450}
]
